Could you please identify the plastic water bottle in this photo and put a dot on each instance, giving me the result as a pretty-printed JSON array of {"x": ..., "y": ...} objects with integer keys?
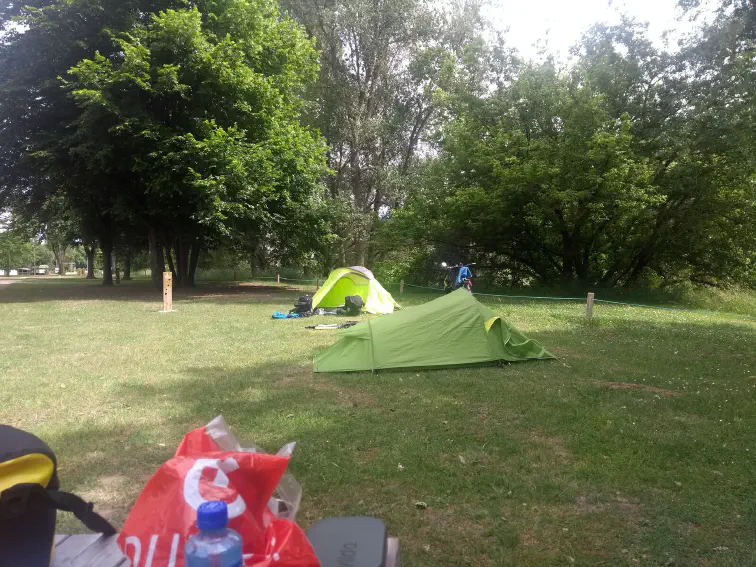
[{"x": 216, "y": 545}]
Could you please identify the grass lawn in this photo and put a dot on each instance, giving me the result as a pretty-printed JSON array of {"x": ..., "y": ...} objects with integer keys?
[{"x": 637, "y": 447}]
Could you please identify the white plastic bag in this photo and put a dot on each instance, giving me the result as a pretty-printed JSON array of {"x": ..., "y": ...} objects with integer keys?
[{"x": 285, "y": 501}]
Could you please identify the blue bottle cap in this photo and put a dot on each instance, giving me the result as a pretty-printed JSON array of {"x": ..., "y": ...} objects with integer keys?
[{"x": 212, "y": 515}]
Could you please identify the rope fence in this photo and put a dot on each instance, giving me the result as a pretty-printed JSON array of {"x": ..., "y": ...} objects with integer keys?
[{"x": 589, "y": 300}]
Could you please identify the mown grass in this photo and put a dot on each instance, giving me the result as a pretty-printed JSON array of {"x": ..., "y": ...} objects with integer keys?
[{"x": 635, "y": 447}]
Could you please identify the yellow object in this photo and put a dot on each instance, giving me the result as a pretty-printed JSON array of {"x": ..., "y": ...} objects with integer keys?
[{"x": 33, "y": 468}]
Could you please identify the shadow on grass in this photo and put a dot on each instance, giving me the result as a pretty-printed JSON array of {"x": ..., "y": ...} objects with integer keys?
[
  {"x": 111, "y": 464},
  {"x": 32, "y": 290}
]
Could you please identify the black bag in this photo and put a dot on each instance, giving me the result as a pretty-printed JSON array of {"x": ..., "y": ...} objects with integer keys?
[
  {"x": 303, "y": 305},
  {"x": 30, "y": 499},
  {"x": 353, "y": 304}
]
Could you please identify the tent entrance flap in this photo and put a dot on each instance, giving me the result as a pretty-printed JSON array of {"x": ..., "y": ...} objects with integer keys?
[{"x": 348, "y": 285}]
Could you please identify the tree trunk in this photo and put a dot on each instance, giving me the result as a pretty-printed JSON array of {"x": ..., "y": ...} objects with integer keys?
[
  {"x": 359, "y": 253},
  {"x": 59, "y": 251},
  {"x": 182, "y": 261},
  {"x": 107, "y": 259},
  {"x": 115, "y": 269},
  {"x": 193, "y": 259},
  {"x": 566, "y": 267},
  {"x": 157, "y": 260},
  {"x": 641, "y": 265},
  {"x": 126, "y": 264},
  {"x": 60, "y": 264},
  {"x": 178, "y": 272},
  {"x": 90, "y": 251},
  {"x": 171, "y": 266}
]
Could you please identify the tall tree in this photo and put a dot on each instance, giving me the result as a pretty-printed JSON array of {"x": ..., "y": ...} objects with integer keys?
[
  {"x": 183, "y": 122},
  {"x": 198, "y": 118},
  {"x": 46, "y": 39}
]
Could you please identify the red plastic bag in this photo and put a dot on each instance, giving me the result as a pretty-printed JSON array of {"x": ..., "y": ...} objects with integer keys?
[{"x": 164, "y": 515}]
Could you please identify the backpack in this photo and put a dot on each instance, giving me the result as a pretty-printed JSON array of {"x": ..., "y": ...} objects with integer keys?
[
  {"x": 353, "y": 304},
  {"x": 30, "y": 498},
  {"x": 303, "y": 305}
]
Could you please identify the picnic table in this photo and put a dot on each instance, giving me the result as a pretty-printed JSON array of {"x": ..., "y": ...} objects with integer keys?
[{"x": 97, "y": 550}]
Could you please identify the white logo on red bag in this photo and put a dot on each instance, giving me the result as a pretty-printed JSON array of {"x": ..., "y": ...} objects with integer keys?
[
  {"x": 193, "y": 480},
  {"x": 136, "y": 543}
]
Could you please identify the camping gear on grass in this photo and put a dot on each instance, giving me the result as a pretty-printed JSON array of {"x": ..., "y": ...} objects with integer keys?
[
  {"x": 303, "y": 306},
  {"x": 356, "y": 542},
  {"x": 453, "y": 330},
  {"x": 210, "y": 464},
  {"x": 321, "y": 311},
  {"x": 331, "y": 326},
  {"x": 279, "y": 315},
  {"x": 353, "y": 304},
  {"x": 30, "y": 498},
  {"x": 343, "y": 282}
]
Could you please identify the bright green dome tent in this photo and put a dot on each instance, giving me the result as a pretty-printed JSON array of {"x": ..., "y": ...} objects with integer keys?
[
  {"x": 356, "y": 280},
  {"x": 453, "y": 330}
]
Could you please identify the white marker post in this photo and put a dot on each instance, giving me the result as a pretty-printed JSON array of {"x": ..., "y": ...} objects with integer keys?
[{"x": 589, "y": 307}]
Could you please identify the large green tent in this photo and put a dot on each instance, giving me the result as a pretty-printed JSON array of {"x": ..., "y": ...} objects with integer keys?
[
  {"x": 356, "y": 280},
  {"x": 453, "y": 330}
]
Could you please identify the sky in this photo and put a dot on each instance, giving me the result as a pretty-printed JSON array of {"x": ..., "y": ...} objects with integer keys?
[{"x": 561, "y": 22}]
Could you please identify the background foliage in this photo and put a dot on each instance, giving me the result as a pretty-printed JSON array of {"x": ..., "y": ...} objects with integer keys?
[{"x": 394, "y": 134}]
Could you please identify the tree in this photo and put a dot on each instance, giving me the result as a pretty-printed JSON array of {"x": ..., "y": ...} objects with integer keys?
[
  {"x": 181, "y": 123},
  {"x": 57, "y": 225},
  {"x": 12, "y": 250},
  {"x": 20, "y": 248},
  {"x": 197, "y": 118},
  {"x": 385, "y": 70},
  {"x": 622, "y": 168},
  {"x": 48, "y": 38},
  {"x": 90, "y": 252}
]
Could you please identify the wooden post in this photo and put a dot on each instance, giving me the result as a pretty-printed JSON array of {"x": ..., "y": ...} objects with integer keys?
[
  {"x": 401, "y": 287},
  {"x": 589, "y": 307},
  {"x": 278, "y": 278},
  {"x": 167, "y": 292},
  {"x": 317, "y": 284}
]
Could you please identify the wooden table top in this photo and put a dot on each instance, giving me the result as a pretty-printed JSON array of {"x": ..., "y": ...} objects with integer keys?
[
  {"x": 89, "y": 550},
  {"x": 96, "y": 550}
]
